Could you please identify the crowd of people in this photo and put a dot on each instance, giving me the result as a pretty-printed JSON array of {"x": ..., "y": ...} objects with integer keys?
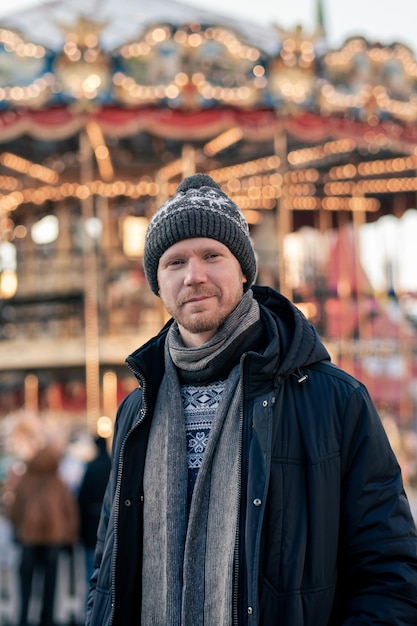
[{"x": 51, "y": 509}]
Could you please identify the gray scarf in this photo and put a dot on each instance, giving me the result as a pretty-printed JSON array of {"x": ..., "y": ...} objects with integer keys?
[{"x": 188, "y": 564}]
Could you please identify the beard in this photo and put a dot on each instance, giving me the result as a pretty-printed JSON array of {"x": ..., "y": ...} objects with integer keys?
[
  {"x": 205, "y": 322},
  {"x": 206, "y": 319}
]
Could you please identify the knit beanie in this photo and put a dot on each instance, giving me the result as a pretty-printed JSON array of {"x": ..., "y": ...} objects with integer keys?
[{"x": 199, "y": 209}]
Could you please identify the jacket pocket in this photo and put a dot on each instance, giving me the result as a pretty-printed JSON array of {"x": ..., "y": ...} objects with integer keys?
[{"x": 299, "y": 607}]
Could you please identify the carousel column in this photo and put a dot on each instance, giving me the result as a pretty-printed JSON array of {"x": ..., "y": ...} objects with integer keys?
[
  {"x": 31, "y": 391},
  {"x": 188, "y": 160},
  {"x": 284, "y": 217},
  {"x": 359, "y": 219},
  {"x": 91, "y": 319},
  {"x": 344, "y": 290}
]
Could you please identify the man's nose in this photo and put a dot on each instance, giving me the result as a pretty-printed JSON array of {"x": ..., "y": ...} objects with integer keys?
[{"x": 195, "y": 272}]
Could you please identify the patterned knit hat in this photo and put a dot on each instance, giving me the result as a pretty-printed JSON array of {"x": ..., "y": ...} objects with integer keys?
[{"x": 199, "y": 209}]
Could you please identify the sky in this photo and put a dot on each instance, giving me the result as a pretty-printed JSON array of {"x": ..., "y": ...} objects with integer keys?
[{"x": 382, "y": 22}]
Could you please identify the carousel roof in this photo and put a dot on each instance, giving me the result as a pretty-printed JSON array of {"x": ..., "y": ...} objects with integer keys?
[
  {"x": 124, "y": 20},
  {"x": 169, "y": 54}
]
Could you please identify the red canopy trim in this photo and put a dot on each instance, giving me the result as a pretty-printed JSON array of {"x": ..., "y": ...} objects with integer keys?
[{"x": 258, "y": 125}]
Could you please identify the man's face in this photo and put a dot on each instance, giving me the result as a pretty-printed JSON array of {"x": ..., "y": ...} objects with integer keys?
[{"x": 200, "y": 283}]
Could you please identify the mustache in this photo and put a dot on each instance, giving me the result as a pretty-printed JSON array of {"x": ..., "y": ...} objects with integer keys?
[{"x": 195, "y": 293}]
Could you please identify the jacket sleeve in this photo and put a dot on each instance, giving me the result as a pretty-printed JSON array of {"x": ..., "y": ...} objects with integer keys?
[
  {"x": 107, "y": 506},
  {"x": 98, "y": 553},
  {"x": 103, "y": 556},
  {"x": 378, "y": 535}
]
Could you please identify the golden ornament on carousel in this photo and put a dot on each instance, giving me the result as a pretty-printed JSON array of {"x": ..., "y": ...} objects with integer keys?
[{"x": 83, "y": 69}]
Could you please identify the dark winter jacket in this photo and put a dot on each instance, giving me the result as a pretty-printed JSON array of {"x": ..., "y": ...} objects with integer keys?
[{"x": 326, "y": 536}]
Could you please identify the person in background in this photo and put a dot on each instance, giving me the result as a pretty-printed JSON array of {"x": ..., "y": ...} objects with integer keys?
[
  {"x": 45, "y": 519},
  {"x": 252, "y": 480},
  {"x": 90, "y": 498}
]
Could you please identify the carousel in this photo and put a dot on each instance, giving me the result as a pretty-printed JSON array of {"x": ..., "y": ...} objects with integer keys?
[{"x": 105, "y": 106}]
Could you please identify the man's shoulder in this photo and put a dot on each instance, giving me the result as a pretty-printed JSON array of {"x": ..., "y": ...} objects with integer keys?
[
  {"x": 128, "y": 414},
  {"x": 330, "y": 369},
  {"x": 149, "y": 356}
]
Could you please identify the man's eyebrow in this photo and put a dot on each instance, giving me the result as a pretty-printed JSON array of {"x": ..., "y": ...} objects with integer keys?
[
  {"x": 201, "y": 251},
  {"x": 168, "y": 256}
]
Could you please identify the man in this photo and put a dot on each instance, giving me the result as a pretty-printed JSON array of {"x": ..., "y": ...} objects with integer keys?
[{"x": 252, "y": 480}]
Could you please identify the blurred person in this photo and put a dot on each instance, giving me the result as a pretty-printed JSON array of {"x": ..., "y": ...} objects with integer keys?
[
  {"x": 44, "y": 515},
  {"x": 90, "y": 499},
  {"x": 76, "y": 453},
  {"x": 252, "y": 480}
]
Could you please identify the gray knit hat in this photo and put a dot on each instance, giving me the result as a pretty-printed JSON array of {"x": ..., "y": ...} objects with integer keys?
[{"x": 199, "y": 209}]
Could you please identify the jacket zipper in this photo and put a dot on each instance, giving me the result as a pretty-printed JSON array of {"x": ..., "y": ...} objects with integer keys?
[
  {"x": 143, "y": 412},
  {"x": 239, "y": 487},
  {"x": 242, "y": 439}
]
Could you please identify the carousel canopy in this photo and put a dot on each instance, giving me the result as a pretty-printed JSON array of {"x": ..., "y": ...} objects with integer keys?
[{"x": 150, "y": 82}]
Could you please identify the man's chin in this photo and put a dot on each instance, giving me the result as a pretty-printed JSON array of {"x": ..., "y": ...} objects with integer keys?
[{"x": 201, "y": 324}]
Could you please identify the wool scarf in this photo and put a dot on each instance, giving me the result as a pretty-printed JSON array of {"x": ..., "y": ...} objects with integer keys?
[
  {"x": 214, "y": 360},
  {"x": 188, "y": 563}
]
